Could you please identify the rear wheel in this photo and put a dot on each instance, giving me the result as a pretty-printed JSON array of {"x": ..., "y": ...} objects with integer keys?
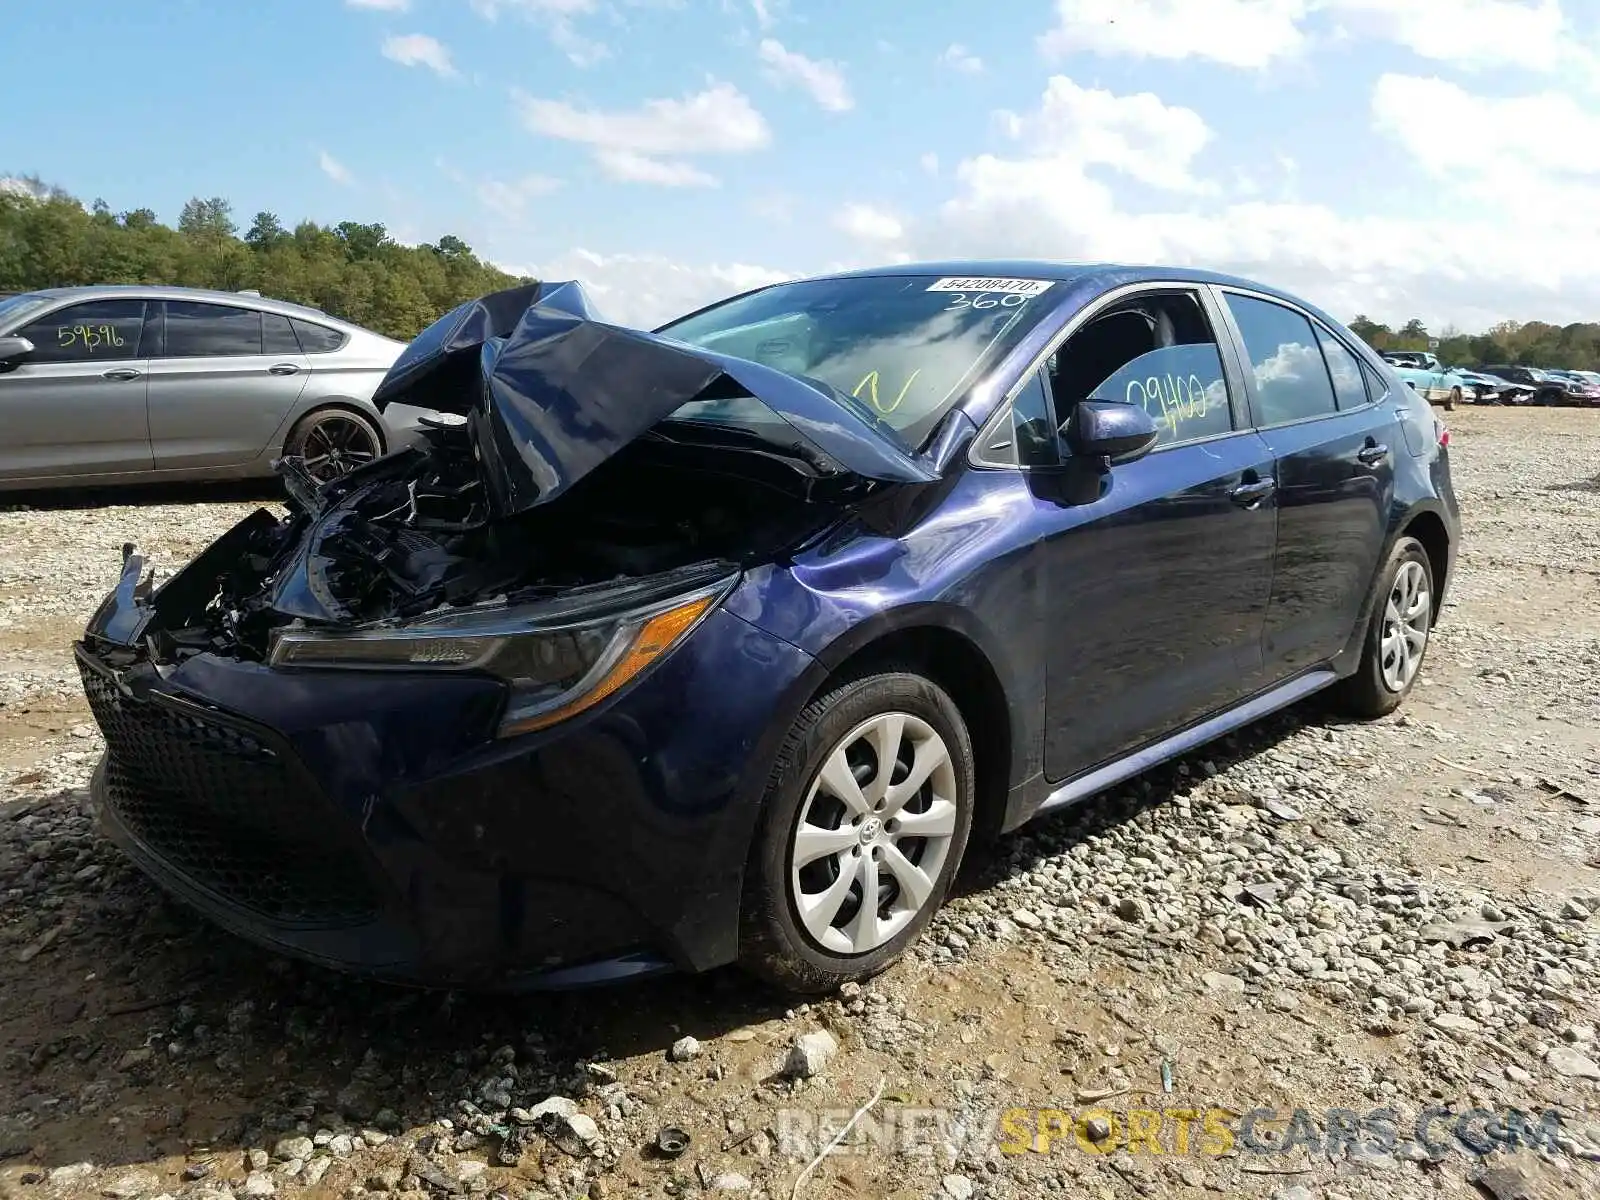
[
  {"x": 333, "y": 442},
  {"x": 1397, "y": 634},
  {"x": 865, "y": 820}
]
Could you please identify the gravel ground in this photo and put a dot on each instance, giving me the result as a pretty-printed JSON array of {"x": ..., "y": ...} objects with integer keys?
[{"x": 1311, "y": 915}]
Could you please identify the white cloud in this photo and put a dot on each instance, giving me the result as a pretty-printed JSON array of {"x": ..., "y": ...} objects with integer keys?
[
  {"x": 510, "y": 198},
  {"x": 334, "y": 169},
  {"x": 763, "y": 12},
  {"x": 869, "y": 224},
  {"x": 824, "y": 80},
  {"x": 629, "y": 166},
  {"x": 558, "y": 17},
  {"x": 1474, "y": 256},
  {"x": 958, "y": 58},
  {"x": 12, "y": 185},
  {"x": 930, "y": 162},
  {"x": 646, "y": 290},
  {"x": 380, "y": 5},
  {"x": 646, "y": 144},
  {"x": 1138, "y": 135},
  {"x": 1532, "y": 34},
  {"x": 1252, "y": 34},
  {"x": 1237, "y": 33},
  {"x": 419, "y": 50},
  {"x": 540, "y": 8},
  {"x": 581, "y": 51},
  {"x": 1530, "y": 138}
]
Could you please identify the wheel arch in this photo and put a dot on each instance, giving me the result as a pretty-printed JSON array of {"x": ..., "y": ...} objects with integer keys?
[
  {"x": 936, "y": 642},
  {"x": 1425, "y": 522},
  {"x": 347, "y": 404},
  {"x": 1428, "y": 527}
]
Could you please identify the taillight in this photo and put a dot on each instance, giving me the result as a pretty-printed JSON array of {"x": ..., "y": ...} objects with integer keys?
[{"x": 1440, "y": 433}]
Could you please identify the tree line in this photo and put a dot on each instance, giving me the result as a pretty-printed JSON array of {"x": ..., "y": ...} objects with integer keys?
[
  {"x": 358, "y": 272},
  {"x": 350, "y": 270},
  {"x": 1534, "y": 344}
]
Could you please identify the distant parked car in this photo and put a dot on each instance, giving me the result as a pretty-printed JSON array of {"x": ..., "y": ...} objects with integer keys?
[
  {"x": 120, "y": 384},
  {"x": 1547, "y": 388},
  {"x": 1423, "y": 374},
  {"x": 1579, "y": 390},
  {"x": 1484, "y": 389}
]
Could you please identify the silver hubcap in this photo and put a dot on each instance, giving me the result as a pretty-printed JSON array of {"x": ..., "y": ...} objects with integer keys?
[
  {"x": 1405, "y": 626},
  {"x": 874, "y": 833},
  {"x": 337, "y": 445}
]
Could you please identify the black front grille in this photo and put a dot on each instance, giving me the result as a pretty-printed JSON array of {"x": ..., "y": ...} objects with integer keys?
[{"x": 227, "y": 807}]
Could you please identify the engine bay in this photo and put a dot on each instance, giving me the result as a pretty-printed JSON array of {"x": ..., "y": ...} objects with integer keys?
[{"x": 412, "y": 534}]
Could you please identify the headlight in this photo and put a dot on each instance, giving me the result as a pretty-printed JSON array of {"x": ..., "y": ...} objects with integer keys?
[{"x": 559, "y": 658}]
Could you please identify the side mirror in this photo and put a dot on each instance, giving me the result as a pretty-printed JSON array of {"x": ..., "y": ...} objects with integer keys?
[
  {"x": 1109, "y": 431},
  {"x": 13, "y": 350}
]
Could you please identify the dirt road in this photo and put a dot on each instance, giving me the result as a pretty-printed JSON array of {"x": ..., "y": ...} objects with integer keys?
[{"x": 1313, "y": 915}]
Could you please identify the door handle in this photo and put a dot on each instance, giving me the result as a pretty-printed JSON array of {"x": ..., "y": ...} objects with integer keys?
[
  {"x": 1248, "y": 495},
  {"x": 283, "y": 369},
  {"x": 1372, "y": 453},
  {"x": 121, "y": 374}
]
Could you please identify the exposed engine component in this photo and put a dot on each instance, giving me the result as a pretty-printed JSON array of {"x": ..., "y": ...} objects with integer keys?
[{"x": 413, "y": 533}]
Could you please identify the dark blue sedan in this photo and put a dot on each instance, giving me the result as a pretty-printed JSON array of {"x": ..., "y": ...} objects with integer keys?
[{"x": 720, "y": 643}]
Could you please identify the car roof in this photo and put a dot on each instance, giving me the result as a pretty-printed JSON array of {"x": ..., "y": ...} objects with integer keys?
[
  {"x": 1082, "y": 276},
  {"x": 1061, "y": 272},
  {"x": 143, "y": 291}
]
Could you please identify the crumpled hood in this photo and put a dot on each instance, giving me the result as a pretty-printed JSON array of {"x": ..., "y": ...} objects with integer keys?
[{"x": 550, "y": 392}]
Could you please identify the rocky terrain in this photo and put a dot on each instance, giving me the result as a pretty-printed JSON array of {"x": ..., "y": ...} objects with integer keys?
[{"x": 1392, "y": 929}]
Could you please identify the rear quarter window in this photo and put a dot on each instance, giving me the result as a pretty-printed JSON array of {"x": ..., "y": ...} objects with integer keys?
[{"x": 316, "y": 339}]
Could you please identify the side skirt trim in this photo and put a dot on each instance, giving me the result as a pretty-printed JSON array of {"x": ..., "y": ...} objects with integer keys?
[{"x": 1185, "y": 740}]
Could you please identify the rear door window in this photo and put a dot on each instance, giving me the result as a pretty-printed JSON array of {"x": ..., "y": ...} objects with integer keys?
[
  {"x": 211, "y": 330},
  {"x": 94, "y": 331},
  {"x": 277, "y": 335},
  {"x": 1291, "y": 377}
]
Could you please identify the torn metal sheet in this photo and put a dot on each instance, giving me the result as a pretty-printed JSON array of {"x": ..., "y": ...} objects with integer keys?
[{"x": 550, "y": 392}]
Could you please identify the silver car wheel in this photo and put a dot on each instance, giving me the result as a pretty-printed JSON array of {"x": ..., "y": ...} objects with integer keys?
[
  {"x": 874, "y": 833},
  {"x": 1406, "y": 617},
  {"x": 335, "y": 445}
]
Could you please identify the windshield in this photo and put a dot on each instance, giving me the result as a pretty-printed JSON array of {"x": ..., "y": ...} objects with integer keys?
[
  {"x": 13, "y": 307},
  {"x": 906, "y": 348}
]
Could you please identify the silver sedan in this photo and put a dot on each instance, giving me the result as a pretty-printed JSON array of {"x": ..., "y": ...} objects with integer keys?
[{"x": 124, "y": 384}]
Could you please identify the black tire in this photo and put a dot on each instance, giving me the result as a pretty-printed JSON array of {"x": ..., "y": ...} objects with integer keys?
[
  {"x": 773, "y": 944},
  {"x": 359, "y": 442},
  {"x": 1453, "y": 400},
  {"x": 1366, "y": 694}
]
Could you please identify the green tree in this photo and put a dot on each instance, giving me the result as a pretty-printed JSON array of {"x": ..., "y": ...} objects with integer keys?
[
  {"x": 209, "y": 222},
  {"x": 352, "y": 269},
  {"x": 265, "y": 232}
]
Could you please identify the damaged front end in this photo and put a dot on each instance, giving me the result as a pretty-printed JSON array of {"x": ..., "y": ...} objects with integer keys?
[{"x": 558, "y": 529}]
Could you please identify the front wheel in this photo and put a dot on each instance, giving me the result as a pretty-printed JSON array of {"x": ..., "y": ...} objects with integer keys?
[
  {"x": 865, "y": 819},
  {"x": 1397, "y": 634},
  {"x": 1452, "y": 400}
]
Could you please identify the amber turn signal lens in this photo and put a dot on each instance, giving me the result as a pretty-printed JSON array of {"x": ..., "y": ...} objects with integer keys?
[{"x": 654, "y": 638}]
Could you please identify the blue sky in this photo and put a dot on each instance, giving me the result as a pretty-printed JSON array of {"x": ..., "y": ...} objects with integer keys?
[{"x": 1397, "y": 157}]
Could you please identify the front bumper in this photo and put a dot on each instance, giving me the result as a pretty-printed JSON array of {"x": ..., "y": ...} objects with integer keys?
[{"x": 372, "y": 823}]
